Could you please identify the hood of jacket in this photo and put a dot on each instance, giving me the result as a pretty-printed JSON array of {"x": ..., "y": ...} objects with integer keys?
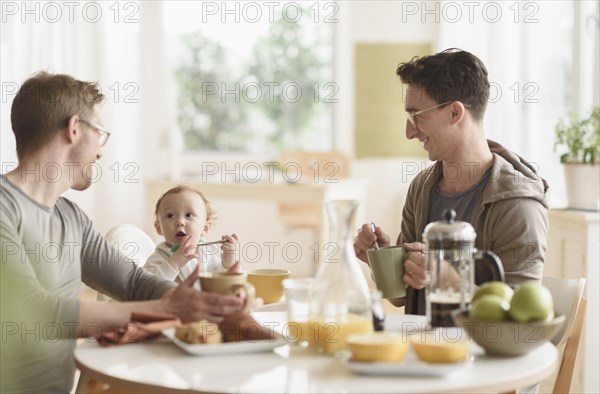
[{"x": 513, "y": 177}]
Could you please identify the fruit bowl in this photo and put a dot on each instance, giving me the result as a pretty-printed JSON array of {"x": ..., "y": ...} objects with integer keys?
[{"x": 508, "y": 338}]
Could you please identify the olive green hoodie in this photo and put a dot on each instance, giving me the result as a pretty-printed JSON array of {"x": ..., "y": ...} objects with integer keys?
[{"x": 511, "y": 218}]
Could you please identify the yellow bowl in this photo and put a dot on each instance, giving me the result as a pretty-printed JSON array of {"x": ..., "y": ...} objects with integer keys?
[
  {"x": 378, "y": 346},
  {"x": 437, "y": 350},
  {"x": 267, "y": 283}
]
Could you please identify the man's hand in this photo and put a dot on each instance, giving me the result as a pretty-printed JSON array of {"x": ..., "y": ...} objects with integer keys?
[
  {"x": 414, "y": 265},
  {"x": 192, "y": 305},
  {"x": 366, "y": 238}
]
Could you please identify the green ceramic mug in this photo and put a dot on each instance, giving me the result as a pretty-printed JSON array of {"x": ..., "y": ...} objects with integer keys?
[{"x": 387, "y": 266}]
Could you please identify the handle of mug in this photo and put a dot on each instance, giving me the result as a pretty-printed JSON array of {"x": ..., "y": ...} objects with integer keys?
[
  {"x": 488, "y": 267},
  {"x": 249, "y": 291}
]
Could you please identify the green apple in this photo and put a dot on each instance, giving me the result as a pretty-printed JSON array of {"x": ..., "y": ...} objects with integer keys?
[
  {"x": 490, "y": 307},
  {"x": 500, "y": 289},
  {"x": 531, "y": 302}
]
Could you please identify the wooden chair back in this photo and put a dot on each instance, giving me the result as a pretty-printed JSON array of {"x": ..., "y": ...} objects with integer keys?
[
  {"x": 569, "y": 301},
  {"x": 315, "y": 167},
  {"x": 569, "y": 355}
]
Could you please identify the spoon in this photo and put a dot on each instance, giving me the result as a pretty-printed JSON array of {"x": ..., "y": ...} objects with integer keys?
[
  {"x": 373, "y": 228},
  {"x": 176, "y": 247}
]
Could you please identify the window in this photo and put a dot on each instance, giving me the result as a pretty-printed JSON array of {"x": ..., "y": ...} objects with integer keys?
[{"x": 252, "y": 77}]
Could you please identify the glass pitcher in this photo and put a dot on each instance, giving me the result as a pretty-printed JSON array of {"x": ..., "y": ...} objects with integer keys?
[
  {"x": 452, "y": 261},
  {"x": 342, "y": 305}
]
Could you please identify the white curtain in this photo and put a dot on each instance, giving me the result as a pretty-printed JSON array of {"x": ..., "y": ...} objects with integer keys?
[
  {"x": 102, "y": 42},
  {"x": 535, "y": 71}
]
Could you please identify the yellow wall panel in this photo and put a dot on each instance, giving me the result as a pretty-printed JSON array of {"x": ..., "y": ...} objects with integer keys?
[{"x": 380, "y": 120}]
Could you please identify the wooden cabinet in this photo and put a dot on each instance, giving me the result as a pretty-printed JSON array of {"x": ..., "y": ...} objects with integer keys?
[{"x": 573, "y": 252}]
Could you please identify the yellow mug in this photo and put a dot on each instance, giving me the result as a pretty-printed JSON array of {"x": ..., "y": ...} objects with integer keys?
[{"x": 267, "y": 283}]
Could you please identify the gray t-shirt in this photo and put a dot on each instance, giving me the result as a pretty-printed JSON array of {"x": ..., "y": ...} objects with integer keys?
[
  {"x": 46, "y": 253},
  {"x": 463, "y": 203}
]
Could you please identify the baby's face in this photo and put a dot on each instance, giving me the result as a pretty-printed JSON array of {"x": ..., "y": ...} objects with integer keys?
[{"x": 182, "y": 214}]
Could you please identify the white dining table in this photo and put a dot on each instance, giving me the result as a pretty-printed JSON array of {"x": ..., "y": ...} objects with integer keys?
[{"x": 161, "y": 366}]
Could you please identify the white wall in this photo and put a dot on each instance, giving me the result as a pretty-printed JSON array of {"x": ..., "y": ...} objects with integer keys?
[{"x": 376, "y": 22}]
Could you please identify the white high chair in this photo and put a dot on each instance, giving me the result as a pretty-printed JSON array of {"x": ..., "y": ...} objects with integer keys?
[{"x": 131, "y": 241}]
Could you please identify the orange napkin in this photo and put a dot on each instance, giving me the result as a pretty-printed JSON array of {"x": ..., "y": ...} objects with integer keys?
[
  {"x": 243, "y": 327},
  {"x": 143, "y": 325}
]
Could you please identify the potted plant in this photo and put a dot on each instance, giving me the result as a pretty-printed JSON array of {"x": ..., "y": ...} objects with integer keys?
[{"x": 579, "y": 142}]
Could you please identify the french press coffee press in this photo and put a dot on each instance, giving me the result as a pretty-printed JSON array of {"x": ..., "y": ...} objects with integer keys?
[{"x": 454, "y": 268}]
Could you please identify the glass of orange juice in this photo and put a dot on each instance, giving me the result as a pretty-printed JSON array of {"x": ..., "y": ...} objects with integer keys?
[
  {"x": 297, "y": 294},
  {"x": 329, "y": 337}
]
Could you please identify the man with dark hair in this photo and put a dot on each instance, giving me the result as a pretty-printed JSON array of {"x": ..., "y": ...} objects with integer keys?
[
  {"x": 494, "y": 189},
  {"x": 49, "y": 245}
]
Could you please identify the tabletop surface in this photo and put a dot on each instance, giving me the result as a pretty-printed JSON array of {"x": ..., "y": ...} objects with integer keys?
[{"x": 290, "y": 369}]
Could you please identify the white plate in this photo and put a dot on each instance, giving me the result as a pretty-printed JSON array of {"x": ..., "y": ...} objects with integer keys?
[
  {"x": 411, "y": 366},
  {"x": 225, "y": 348},
  {"x": 275, "y": 307}
]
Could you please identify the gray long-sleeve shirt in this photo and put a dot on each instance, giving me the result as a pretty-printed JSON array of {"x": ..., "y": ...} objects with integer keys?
[{"x": 46, "y": 253}]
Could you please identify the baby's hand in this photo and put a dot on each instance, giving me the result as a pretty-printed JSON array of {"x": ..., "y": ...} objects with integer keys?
[
  {"x": 236, "y": 268},
  {"x": 229, "y": 249},
  {"x": 185, "y": 253}
]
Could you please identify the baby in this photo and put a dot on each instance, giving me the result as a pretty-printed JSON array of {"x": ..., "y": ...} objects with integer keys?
[{"x": 183, "y": 217}]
